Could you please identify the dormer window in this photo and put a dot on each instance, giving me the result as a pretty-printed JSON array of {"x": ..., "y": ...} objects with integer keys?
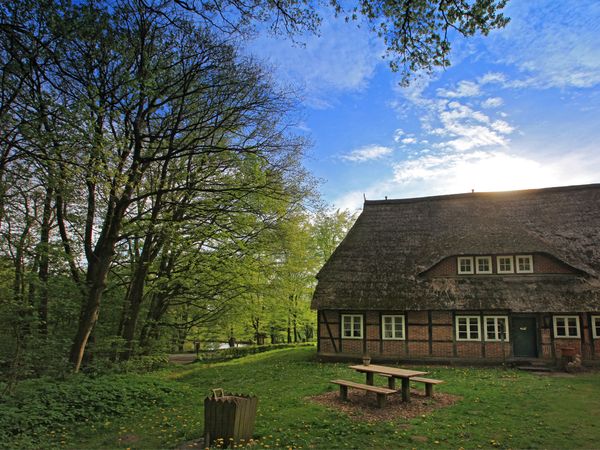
[
  {"x": 483, "y": 264},
  {"x": 505, "y": 264},
  {"x": 465, "y": 265},
  {"x": 524, "y": 264}
]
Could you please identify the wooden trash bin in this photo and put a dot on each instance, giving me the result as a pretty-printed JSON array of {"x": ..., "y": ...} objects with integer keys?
[{"x": 228, "y": 418}]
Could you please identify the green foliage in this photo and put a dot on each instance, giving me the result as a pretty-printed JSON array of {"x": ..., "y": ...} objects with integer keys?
[
  {"x": 41, "y": 407},
  {"x": 144, "y": 364},
  {"x": 135, "y": 364},
  {"x": 148, "y": 167}
]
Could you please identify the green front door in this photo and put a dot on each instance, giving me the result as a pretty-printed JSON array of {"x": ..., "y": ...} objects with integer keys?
[{"x": 524, "y": 336}]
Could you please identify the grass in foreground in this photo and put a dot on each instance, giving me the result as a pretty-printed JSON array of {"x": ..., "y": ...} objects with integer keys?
[{"x": 500, "y": 408}]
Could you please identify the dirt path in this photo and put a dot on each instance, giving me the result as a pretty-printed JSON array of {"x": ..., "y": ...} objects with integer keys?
[{"x": 182, "y": 358}]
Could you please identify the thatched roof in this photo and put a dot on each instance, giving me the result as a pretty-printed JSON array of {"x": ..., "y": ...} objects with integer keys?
[{"x": 379, "y": 265}]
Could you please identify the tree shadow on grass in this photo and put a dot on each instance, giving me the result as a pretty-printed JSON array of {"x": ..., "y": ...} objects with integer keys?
[{"x": 363, "y": 406}]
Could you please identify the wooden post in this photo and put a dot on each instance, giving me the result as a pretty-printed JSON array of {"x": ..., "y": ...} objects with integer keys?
[
  {"x": 392, "y": 383},
  {"x": 344, "y": 392},
  {"x": 370, "y": 378},
  {"x": 429, "y": 390},
  {"x": 405, "y": 389},
  {"x": 380, "y": 400}
]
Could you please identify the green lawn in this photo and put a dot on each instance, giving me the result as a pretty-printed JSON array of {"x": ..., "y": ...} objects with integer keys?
[{"x": 499, "y": 408}]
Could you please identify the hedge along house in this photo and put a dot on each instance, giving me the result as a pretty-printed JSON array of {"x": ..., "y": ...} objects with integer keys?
[{"x": 479, "y": 276}]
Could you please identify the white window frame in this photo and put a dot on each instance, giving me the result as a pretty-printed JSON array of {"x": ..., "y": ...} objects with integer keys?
[
  {"x": 489, "y": 260},
  {"x": 394, "y": 318},
  {"x": 465, "y": 272},
  {"x": 530, "y": 258},
  {"x": 469, "y": 319},
  {"x": 566, "y": 318},
  {"x": 496, "y": 329},
  {"x": 512, "y": 264},
  {"x": 352, "y": 318},
  {"x": 595, "y": 319}
]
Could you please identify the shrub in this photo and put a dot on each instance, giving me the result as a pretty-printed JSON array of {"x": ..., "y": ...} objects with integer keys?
[{"x": 43, "y": 405}]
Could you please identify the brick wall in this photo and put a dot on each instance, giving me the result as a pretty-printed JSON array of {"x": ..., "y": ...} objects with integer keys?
[
  {"x": 498, "y": 350},
  {"x": 441, "y": 317},
  {"x": 354, "y": 346},
  {"x": 418, "y": 348},
  {"x": 442, "y": 332},
  {"x": 418, "y": 333},
  {"x": 394, "y": 348},
  {"x": 326, "y": 346},
  {"x": 443, "y": 344},
  {"x": 546, "y": 344},
  {"x": 445, "y": 268},
  {"x": 442, "y": 349},
  {"x": 417, "y": 317},
  {"x": 561, "y": 343},
  {"x": 547, "y": 264},
  {"x": 468, "y": 349}
]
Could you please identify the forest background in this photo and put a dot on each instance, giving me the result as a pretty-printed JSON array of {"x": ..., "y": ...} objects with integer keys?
[{"x": 151, "y": 185}]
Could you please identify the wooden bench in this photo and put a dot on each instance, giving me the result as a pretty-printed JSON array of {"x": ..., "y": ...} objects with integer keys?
[
  {"x": 381, "y": 392},
  {"x": 429, "y": 383}
]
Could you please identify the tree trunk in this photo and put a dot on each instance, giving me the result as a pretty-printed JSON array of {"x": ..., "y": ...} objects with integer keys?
[
  {"x": 96, "y": 281},
  {"x": 44, "y": 262},
  {"x": 295, "y": 330},
  {"x": 160, "y": 300},
  {"x": 132, "y": 306}
]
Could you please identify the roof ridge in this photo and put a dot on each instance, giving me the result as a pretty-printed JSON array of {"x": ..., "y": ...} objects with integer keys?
[{"x": 473, "y": 194}]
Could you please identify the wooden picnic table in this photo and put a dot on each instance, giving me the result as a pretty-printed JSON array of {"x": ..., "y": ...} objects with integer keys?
[{"x": 393, "y": 372}]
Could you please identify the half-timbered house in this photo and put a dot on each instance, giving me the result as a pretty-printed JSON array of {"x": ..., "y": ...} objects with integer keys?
[{"x": 480, "y": 276}]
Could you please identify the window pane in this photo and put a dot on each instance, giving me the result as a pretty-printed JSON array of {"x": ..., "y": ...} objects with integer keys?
[
  {"x": 356, "y": 326},
  {"x": 347, "y": 327},
  {"x": 502, "y": 328},
  {"x": 505, "y": 264},
  {"x": 483, "y": 265},
  {"x": 524, "y": 265},
  {"x": 465, "y": 265},
  {"x": 399, "y": 333}
]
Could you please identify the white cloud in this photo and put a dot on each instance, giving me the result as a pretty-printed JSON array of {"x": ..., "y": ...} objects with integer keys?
[
  {"x": 466, "y": 129},
  {"x": 398, "y": 133},
  {"x": 492, "y": 102},
  {"x": 554, "y": 44},
  {"x": 481, "y": 171},
  {"x": 342, "y": 58},
  {"x": 492, "y": 77},
  {"x": 502, "y": 127},
  {"x": 464, "y": 89},
  {"x": 409, "y": 140},
  {"x": 488, "y": 171},
  {"x": 367, "y": 153}
]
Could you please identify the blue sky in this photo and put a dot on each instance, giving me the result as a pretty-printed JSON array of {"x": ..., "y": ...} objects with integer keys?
[{"x": 517, "y": 109}]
